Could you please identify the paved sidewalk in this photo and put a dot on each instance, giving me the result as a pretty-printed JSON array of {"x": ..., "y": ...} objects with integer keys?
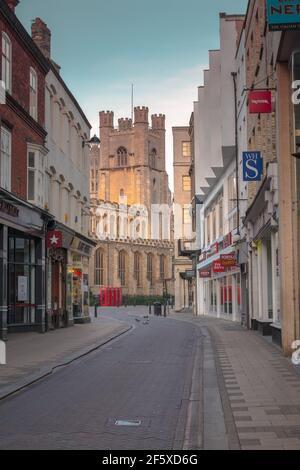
[
  {"x": 31, "y": 356},
  {"x": 258, "y": 387}
]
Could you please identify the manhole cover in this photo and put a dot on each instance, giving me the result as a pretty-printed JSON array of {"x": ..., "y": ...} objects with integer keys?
[{"x": 128, "y": 422}]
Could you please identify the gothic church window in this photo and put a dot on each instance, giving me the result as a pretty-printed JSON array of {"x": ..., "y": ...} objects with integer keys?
[
  {"x": 153, "y": 158},
  {"x": 122, "y": 267},
  {"x": 99, "y": 268},
  {"x": 122, "y": 157}
]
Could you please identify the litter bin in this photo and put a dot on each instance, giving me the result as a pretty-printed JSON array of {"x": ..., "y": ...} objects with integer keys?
[{"x": 157, "y": 309}]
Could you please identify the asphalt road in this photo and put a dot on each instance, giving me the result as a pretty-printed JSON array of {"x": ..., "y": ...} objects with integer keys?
[{"x": 143, "y": 377}]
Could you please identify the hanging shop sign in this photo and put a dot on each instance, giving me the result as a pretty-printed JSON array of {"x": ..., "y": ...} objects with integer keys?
[
  {"x": 252, "y": 166},
  {"x": 283, "y": 15},
  {"x": 205, "y": 273},
  {"x": 228, "y": 260},
  {"x": 218, "y": 267},
  {"x": 227, "y": 241},
  {"x": 54, "y": 239},
  {"x": 260, "y": 101}
]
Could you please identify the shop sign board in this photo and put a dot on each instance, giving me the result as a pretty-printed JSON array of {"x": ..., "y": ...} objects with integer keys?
[
  {"x": 205, "y": 273},
  {"x": 252, "y": 166},
  {"x": 283, "y": 15},
  {"x": 54, "y": 239},
  {"x": 218, "y": 267},
  {"x": 229, "y": 260},
  {"x": 260, "y": 102},
  {"x": 227, "y": 240},
  {"x": 22, "y": 289}
]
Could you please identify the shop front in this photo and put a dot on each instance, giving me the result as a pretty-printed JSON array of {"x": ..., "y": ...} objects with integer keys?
[
  {"x": 22, "y": 266},
  {"x": 68, "y": 279},
  {"x": 219, "y": 282}
]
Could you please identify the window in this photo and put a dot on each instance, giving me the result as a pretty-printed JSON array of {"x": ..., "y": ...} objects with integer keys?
[
  {"x": 6, "y": 61},
  {"x": 35, "y": 181},
  {"x": 137, "y": 268},
  {"x": 150, "y": 268},
  {"x": 162, "y": 267},
  {"x": 186, "y": 149},
  {"x": 5, "y": 159},
  {"x": 33, "y": 94},
  {"x": 122, "y": 268},
  {"x": 186, "y": 216},
  {"x": 21, "y": 280},
  {"x": 99, "y": 268},
  {"x": 186, "y": 183},
  {"x": 232, "y": 191},
  {"x": 153, "y": 157},
  {"x": 122, "y": 157}
]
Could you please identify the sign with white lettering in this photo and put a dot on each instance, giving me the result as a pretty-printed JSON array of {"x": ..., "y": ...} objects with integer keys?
[
  {"x": 22, "y": 289},
  {"x": 283, "y": 15},
  {"x": 252, "y": 166}
]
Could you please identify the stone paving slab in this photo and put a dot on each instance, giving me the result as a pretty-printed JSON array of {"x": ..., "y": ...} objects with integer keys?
[
  {"x": 31, "y": 356},
  {"x": 261, "y": 386}
]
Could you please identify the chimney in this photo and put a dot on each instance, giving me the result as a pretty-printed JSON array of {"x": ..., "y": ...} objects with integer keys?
[
  {"x": 12, "y": 4},
  {"x": 41, "y": 35}
]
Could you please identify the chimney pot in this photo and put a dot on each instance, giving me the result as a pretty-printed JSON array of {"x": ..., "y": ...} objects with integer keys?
[{"x": 41, "y": 35}]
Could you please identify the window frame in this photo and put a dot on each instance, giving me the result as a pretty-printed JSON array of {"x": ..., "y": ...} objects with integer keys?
[
  {"x": 33, "y": 94},
  {"x": 6, "y": 62},
  {"x": 5, "y": 160}
]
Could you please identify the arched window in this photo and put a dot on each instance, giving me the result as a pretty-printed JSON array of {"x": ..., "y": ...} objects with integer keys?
[
  {"x": 99, "y": 267},
  {"x": 150, "y": 268},
  {"x": 122, "y": 157},
  {"x": 122, "y": 267},
  {"x": 6, "y": 61},
  {"x": 137, "y": 268},
  {"x": 153, "y": 158},
  {"x": 162, "y": 267}
]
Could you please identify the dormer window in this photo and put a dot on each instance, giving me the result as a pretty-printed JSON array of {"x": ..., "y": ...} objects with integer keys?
[{"x": 122, "y": 157}]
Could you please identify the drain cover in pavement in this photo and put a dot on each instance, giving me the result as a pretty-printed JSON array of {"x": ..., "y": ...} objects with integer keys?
[{"x": 129, "y": 422}]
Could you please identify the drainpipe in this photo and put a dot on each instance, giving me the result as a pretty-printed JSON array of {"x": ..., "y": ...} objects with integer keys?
[{"x": 234, "y": 75}]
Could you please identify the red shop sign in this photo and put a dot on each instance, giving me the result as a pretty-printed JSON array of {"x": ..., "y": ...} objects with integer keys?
[
  {"x": 227, "y": 240},
  {"x": 205, "y": 273},
  {"x": 217, "y": 267},
  {"x": 260, "y": 102},
  {"x": 228, "y": 260},
  {"x": 54, "y": 239}
]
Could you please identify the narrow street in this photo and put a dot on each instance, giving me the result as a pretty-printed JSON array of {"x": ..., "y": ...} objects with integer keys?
[{"x": 144, "y": 376}]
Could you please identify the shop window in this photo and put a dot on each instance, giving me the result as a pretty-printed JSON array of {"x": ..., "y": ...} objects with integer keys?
[
  {"x": 5, "y": 159},
  {"x": 21, "y": 281},
  {"x": 35, "y": 181},
  {"x": 99, "y": 268}
]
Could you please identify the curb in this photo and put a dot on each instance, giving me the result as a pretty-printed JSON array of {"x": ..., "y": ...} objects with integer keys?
[{"x": 9, "y": 390}]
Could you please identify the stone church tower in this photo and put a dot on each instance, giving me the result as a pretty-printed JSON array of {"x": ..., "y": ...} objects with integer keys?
[
  {"x": 129, "y": 170},
  {"x": 132, "y": 159}
]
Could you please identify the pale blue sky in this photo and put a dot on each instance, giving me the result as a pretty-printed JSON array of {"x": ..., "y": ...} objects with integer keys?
[{"x": 105, "y": 45}]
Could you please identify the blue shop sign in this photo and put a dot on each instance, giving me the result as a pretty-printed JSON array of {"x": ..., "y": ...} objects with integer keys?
[
  {"x": 283, "y": 15},
  {"x": 252, "y": 166}
]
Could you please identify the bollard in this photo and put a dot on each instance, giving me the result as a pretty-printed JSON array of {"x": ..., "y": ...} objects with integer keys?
[
  {"x": 165, "y": 310},
  {"x": 149, "y": 309},
  {"x": 96, "y": 312}
]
